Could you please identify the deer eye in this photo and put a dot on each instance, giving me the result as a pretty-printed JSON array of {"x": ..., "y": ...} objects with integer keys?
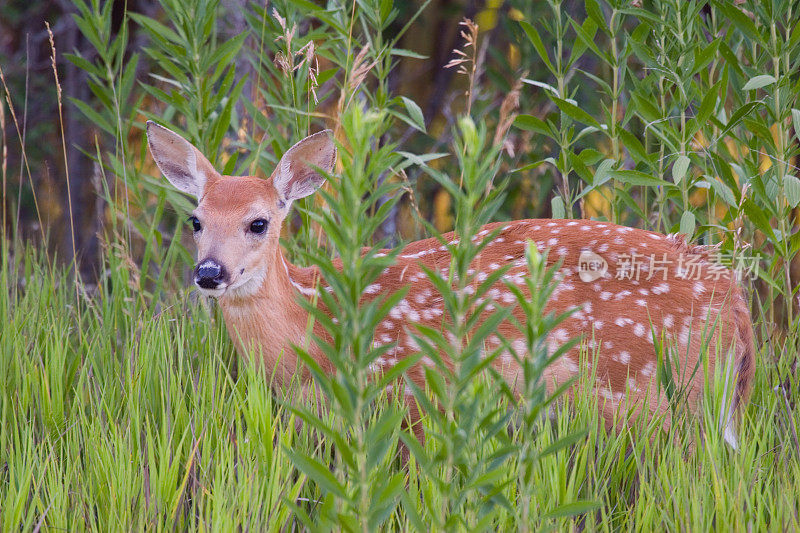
[
  {"x": 258, "y": 226},
  {"x": 196, "y": 226}
]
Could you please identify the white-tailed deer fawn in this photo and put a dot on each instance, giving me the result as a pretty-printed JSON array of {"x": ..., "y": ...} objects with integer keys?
[{"x": 661, "y": 289}]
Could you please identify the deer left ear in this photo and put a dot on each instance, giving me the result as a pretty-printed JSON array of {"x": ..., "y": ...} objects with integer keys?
[
  {"x": 182, "y": 164},
  {"x": 297, "y": 174}
]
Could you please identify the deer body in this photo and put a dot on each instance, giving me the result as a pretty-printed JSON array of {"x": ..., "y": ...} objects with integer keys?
[{"x": 619, "y": 320}]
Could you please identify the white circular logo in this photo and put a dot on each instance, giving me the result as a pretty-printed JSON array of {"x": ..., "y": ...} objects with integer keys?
[{"x": 591, "y": 266}]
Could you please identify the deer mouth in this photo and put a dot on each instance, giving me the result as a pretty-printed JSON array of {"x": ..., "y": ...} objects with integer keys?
[
  {"x": 246, "y": 283},
  {"x": 214, "y": 292}
]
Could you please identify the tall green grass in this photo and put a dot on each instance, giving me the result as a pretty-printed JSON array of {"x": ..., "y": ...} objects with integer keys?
[
  {"x": 127, "y": 407},
  {"x": 115, "y": 417}
]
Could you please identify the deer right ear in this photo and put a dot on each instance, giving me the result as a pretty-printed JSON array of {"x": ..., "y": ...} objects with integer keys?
[
  {"x": 182, "y": 164},
  {"x": 298, "y": 174}
]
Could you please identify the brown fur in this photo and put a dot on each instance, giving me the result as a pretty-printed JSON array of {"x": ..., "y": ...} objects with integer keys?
[{"x": 616, "y": 318}]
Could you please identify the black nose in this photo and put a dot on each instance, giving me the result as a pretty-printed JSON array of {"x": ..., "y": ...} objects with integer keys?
[{"x": 209, "y": 274}]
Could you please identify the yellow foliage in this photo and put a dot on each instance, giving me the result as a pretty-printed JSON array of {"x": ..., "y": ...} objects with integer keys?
[
  {"x": 513, "y": 56},
  {"x": 720, "y": 210},
  {"x": 515, "y": 14},
  {"x": 698, "y": 197},
  {"x": 442, "y": 218},
  {"x": 487, "y": 19},
  {"x": 596, "y": 204}
]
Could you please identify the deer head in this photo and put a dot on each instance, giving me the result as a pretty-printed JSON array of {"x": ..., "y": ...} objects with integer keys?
[{"x": 238, "y": 219}]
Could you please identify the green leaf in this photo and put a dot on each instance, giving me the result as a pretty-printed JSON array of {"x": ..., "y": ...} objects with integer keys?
[
  {"x": 407, "y": 53},
  {"x": 94, "y": 116},
  {"x": 534, "y": 38},
  {"x": 758, "y": 218},
  {"x": 572, "y": 509},
  {"x": 563, "y": 442},
  {"x": 529, "y": 166},
  {"x": 589, "y": 28},
  {"x": 595, "y": 12},
  {"x": 703, "y": 56},
  {"x": 634, "y": 177},
  {"x": 421, "y": 160},
  {"x": 316, "y": 471},
  {"x": 306, "y": 5},
  {"x": 757, "y": 82},
  {"x": 722, "y": 190},
  {"x": 586, "y": 33},
  {"x": 85, "y": 64},
  {"x": 705, "y": 110},
  {"x": 741, "y": 20},
  {"x": 531, "y": 123},
  {"x": 601, "y": 174},
  {"x": 590, "y": 156},
  {"x": 796, "y": 121},
  {"x": 737, "y": 116},
  {"x": 679, "y": 168},
  {"x": 156, "y": 29},
  {"x": 634, "y": 146},
  {"x": 576, "y": 112},
  {"x": 557, "y": 205},
  {"x": 687, "y": 224},
  {"x": 414, "y": 113},
  {"x": 731, "y": 59},
  {"x": 542, "y": 85},
  {"x": 791, "y": 186}
]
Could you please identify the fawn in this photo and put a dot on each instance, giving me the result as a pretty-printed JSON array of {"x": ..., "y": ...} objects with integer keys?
[{"x": 237, "y": 225}]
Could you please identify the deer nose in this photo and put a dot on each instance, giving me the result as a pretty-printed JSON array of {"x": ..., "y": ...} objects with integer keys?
[{"x": 209, "y": 274}]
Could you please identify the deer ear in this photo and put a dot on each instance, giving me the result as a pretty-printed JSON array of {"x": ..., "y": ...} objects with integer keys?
[
  {"x": 297, "y": 175},
  {"x": 182, "y": 164}
]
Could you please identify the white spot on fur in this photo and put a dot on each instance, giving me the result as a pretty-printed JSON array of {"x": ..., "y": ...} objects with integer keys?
[
  {"x": 622, "y": 321},
  {"x": 569, "y": 364},
  {"x": 407, "y": 310},
  {"x": 661, "y": 288},
  {"x": 683, "y": 338},
  {"x": 699, "y": 288},
  {"x": 561, "y": 335},
  {"x": 622, "y": 357}
]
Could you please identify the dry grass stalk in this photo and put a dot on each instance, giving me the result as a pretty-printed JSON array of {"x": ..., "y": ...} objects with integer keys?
[
  {"x": 467, "y": 64},
  {"x": 287, "y": 62},
  {"x": 66, "y": 164},
  {"x": 355, "y": 77},
  {"x": 4, "y": 163},
  {"x": 508, "y": 113},
  {"x": 24, "y": 153}
]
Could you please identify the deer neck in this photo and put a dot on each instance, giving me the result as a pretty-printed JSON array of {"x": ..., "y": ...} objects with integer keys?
[{"x": 269, "y": 319}]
